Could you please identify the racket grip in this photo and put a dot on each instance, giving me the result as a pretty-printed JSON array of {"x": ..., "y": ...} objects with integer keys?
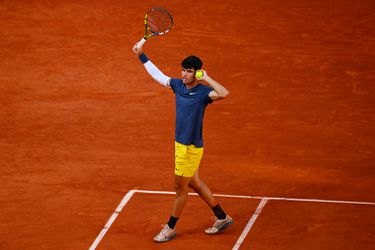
[{"x": 141, "y": 42}]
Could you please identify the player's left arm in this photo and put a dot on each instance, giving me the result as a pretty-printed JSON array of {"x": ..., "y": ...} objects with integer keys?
[{"x": 219, "y": 91}]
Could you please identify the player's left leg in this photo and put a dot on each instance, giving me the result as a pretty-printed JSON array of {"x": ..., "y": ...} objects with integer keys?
[
  {"x": 203, "y": 190},
  {"x": 222, "y": 219}
]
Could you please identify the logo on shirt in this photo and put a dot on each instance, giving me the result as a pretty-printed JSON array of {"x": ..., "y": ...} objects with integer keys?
[{"x": 192, "y": 93}]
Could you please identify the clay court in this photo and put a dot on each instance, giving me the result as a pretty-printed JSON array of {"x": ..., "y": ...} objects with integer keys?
[{"x": 87, "y": 137}]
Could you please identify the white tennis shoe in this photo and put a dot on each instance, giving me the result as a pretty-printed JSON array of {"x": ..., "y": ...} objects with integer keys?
[
  {"x": 219, "y": 225},
  {"x": 166, "y": 234}
]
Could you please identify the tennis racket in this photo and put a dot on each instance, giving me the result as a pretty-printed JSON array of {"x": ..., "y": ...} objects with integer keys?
[{"x": 158, "y": 22}]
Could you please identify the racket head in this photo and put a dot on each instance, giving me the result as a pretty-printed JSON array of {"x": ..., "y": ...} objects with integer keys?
[{"x": 158, "y": 21}]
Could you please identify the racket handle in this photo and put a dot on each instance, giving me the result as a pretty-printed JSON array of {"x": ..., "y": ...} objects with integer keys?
[{"x": 141, "y": 42}]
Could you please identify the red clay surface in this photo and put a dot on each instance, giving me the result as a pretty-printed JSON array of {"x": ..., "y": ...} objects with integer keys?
[
  {"x": 296, "y": 225},
  {"x": 82, "y": 123},
  {"x": 141, "y": 218}
]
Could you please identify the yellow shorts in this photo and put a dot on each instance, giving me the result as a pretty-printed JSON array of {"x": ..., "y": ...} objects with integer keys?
[{"x": 187, "y": 159}]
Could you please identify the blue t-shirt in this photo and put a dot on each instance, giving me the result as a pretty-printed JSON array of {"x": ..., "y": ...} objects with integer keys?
[{"x": 190, "y": 107}]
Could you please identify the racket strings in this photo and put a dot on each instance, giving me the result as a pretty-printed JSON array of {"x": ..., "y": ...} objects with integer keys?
[{"x": 159, "y": 21}]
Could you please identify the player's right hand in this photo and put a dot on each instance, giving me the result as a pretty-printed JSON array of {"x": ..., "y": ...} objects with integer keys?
[{"x": 137, "y": 50}]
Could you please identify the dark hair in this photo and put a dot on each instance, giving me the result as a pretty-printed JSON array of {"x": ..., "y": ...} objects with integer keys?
[{"x": 192, "y": 62}]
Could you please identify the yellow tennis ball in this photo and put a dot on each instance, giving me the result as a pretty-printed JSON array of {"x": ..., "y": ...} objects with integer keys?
[{"x": 199, "y": 73}]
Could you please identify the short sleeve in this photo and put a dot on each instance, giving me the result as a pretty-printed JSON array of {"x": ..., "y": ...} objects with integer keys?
[
  {"x": 208, "y": 90},
  {"x": 173, "y": 82}
]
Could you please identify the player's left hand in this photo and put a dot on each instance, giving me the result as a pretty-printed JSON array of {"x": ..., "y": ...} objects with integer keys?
[{"x": 203, "y": 77}]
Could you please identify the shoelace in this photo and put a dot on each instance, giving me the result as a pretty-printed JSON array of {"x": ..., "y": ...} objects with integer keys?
[
  {"x": 164, "y": 232},
  {"x": 218, "y": 222}
]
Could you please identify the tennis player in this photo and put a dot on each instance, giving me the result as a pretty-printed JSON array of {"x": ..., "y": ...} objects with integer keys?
[{"x": 192, "y": 99}]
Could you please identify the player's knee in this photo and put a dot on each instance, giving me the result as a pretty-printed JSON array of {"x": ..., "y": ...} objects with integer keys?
[{"x": 181, "y": 188}]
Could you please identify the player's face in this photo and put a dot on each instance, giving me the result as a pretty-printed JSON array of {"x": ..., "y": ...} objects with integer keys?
[{"x": 188, "y": 75}]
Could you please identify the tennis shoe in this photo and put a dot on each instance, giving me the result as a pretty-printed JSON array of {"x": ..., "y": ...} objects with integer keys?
[
  {"x": 166, "y": 234},
  {"x": 219, "y": 225}
]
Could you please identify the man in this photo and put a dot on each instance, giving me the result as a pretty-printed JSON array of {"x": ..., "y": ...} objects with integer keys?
[{"x": 191, "y": 100}]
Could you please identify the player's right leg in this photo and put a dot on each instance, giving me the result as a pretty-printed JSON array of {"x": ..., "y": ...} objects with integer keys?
[
  {"x": 182, "y": 188},
  {"x": 187, "y": 162}
]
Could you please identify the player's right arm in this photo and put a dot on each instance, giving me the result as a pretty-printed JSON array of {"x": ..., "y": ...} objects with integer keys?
[{"x": 151, "y": 69}]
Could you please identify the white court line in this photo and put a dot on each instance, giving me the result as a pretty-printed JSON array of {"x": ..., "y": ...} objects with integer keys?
[
  {"x": 267, "y": 198},
  {"x": 113, "y": 217},
  {"x": 264, "y": 200},
  {"x": 251, "y": 222}
]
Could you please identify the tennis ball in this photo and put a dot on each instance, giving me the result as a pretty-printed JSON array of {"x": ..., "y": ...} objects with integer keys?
[{"x": 199, "y": 73}]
